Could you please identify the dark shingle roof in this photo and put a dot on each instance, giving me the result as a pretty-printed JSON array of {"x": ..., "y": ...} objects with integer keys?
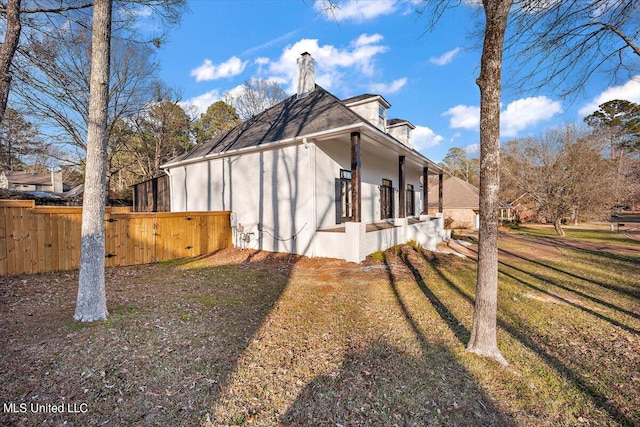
[
  {"x": 293, "y": 117},
  {"x": 457, "y": 194},
  {"x": 363, "y": 97}
]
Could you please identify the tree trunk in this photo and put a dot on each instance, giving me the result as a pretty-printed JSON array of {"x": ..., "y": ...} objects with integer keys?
[
  {"x": 7, "y": 51},
  {"x": 557, "y": 224},
  {"x": 92, "y": 302},
  {"x": 483, "y": 334}
]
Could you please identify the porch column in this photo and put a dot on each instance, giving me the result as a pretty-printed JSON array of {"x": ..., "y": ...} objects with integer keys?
[
  {"x": 440, "y": 181},
  {"x": 425, "y": 190},
  {"x": 402, "y": 203},
  {"x": 355, "y": 177}
]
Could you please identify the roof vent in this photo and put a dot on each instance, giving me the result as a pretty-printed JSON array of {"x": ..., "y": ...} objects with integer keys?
[{"x": 306, "y": 75}]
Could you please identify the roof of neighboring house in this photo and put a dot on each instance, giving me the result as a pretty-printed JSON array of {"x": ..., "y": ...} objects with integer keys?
[
  {"x": 28, "y": 178},
  {"x": 457, "y": 194},
  {"x": 317, "y": 112}
]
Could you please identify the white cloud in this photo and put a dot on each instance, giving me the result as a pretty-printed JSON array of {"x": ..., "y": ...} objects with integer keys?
[
  {"x": 472, "y": 148},
  {"x": 355, "y": 10},
  {"x": 446, "y": 58},
  {"x": 526, "y": 112},
  {"x": 463, "y": 117},
  {"x": 386, "y": 89},
  {"x": 518, "y": 115},
  {"x": 332, "y": 63},
  {"x": 199, "y": 104},
  {"x": 424, "y": 138},
  {"x": 366, "y": 39},
  {"x": 630, "y": 91},
  {"x": 209, "y": 71}
]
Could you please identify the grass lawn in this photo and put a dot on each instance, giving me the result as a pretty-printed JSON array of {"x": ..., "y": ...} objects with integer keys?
[{"x": 260, "y": 339}]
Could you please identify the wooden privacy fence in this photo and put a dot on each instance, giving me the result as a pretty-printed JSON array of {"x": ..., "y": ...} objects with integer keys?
[{"x": 36, "y": 239}]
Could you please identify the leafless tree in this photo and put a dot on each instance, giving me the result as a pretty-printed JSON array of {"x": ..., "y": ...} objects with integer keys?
[
  {"x": 563, "y": 43},
  {"x": 39, "y": 18},
  {"x": 54, "y": 87},
  {"x": 256, "y": 96},
  {"x": 565, "y": 172}
]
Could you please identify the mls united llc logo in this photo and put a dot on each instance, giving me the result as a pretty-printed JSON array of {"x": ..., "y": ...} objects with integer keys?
[{"x": 44, "y": 408}]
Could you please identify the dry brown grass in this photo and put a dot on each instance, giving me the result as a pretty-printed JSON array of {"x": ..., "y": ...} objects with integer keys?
[{"x": 258, "y": 339}]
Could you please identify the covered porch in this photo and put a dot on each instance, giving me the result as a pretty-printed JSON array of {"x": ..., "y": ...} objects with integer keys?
[{"x": 353, "y": 241}]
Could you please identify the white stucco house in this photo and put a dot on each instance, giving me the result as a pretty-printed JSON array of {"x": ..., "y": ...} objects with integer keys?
[{"x": 314, "y": 175}]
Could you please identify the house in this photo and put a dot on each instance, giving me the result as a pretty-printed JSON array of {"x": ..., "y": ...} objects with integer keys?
[
  {"x": 461, "y": 203},
  {"x": 27, "y": 181},
  {"x": 521, "y": 209},
  {"x": 313, "y": 175}
]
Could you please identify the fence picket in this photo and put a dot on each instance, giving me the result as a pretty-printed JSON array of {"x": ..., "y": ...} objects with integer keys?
[{"x": 36, "y": 239}]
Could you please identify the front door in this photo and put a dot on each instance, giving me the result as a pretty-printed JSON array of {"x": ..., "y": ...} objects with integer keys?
[{"x": 386, "y": 199}]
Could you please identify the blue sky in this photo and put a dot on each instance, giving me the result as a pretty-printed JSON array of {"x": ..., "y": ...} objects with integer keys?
[{"x": 366, "y": 46}]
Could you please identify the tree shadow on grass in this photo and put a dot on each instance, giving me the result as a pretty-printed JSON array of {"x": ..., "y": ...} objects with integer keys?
[
  {"x": 557, "y": 284},
  {"x": 527, "y": 338},
  {"x": 634, "y": 293},
  {"x": 382, "y": 385},
  {"x": 174, "y": 336}
]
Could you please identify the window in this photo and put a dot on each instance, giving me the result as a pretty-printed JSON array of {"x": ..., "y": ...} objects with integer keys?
[
  {"x": 344, "y": 197},
  {"x": 411, "y": 198},
  {"x": 386, "y": 199},
  {"x": 382, "y": 117}
]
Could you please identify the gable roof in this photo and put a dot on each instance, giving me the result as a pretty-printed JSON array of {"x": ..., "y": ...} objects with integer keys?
[
  {"x": 458, "y": 194},
  {"x": 316, "y": 112}
]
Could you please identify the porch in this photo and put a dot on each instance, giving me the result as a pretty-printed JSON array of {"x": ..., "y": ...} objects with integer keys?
[{"x": 353, "y": 241}]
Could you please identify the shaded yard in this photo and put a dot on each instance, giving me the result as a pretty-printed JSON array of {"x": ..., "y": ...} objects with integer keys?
[{"x": 250, "y": 338}]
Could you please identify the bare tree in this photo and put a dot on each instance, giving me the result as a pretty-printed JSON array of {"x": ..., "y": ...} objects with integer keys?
[
  {"x": 256, "y": 96},
  {"x": 563, "y": 43},
  {"x": 552, "y": 170},
  {"x": 40, "y": 17},
  {"x": 54, "y": 87},
  {"x": 91, "y": 304}
]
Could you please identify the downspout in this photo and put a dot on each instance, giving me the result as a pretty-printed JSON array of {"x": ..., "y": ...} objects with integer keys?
[
  {"x": 186, "y": 202},
  {"x": 170, "y": 189},
  {"x": 314, "y": 213}
]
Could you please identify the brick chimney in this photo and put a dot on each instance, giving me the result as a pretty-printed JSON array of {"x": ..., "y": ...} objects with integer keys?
[{"x": 306, "y": 75}]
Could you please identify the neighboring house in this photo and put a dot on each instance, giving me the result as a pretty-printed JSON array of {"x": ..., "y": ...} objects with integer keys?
[
  {"x": 461, "y": 202},
  {"x": 26, "y": 181},
  {"x": 313, "y": 175},
  {"x": 522, "y": 209}
]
